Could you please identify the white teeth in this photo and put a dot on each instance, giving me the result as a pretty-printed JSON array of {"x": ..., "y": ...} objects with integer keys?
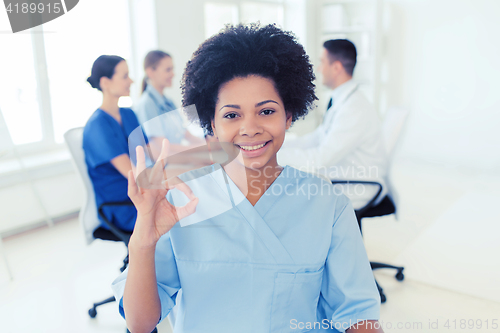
[{"x": 253, "y": 147}]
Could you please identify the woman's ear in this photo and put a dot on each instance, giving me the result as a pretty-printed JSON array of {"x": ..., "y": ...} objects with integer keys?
[
  {"x": 149, "y": 72},
  {"x": 104, "y": 82},
  {"x": 288, "y": 120}
]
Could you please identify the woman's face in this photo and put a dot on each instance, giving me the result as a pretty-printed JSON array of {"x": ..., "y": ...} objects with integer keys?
[
  {"x": 163, "y": 73},
  {"x": 119, "y": 84},
  {"x": 251, "y": 118}
]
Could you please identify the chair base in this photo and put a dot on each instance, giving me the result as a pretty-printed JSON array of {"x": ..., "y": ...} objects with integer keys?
[
  {"x": 93, "y": 310},
  {"x": 399, "y": 276}
]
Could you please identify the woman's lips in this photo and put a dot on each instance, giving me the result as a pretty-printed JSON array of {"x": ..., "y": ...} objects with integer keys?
[{"x": 254, "y": 146}]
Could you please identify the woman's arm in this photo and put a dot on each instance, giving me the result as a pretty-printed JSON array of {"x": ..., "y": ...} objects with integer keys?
[
  {"x": 155, "y": 217},
  {"x": 141, "y": 302},
  {"x": 122, "y": 164}
]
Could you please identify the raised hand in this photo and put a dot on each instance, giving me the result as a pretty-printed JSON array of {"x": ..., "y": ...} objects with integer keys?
[{"x": 155, "y": 215}]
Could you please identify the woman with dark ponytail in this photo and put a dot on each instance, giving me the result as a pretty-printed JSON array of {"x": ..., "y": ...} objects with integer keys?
[
  {"x": 105, "y": 139},
  {"x": 159, "y": 69}
]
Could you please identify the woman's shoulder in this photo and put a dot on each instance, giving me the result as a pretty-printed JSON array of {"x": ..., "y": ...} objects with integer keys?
[
  {"x": 128, "y": 112},
  {"x": 96, "y": 119}
]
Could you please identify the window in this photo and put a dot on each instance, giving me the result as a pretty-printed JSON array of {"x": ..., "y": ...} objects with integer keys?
[
  {"x": 266, "y": 13},
  {"x": 40, "y": 103},
  {"x": 18, "y": 87},
  {"x": 219, "y": 14}
]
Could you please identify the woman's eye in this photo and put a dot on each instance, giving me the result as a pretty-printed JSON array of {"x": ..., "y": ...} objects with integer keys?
[
  {"x": 267, "y": 112},
  {"x": 230, "y": 115}
]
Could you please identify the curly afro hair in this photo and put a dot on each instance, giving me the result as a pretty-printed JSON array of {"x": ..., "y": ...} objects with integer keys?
[{"x": 243, "y": 50}]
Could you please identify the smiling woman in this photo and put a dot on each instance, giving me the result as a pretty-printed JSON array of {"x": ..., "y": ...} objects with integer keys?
[
  {"x": 258, "y": 246},
  {"x": 250, "y": 115}
]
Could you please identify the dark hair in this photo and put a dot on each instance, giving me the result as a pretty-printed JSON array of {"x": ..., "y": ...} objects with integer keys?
[
  {"x": 103, "y": 66},
  {"x": 342, "y": 50},
  {"x": 151, "y": 60},
  {"x": 243, "y": 50}
]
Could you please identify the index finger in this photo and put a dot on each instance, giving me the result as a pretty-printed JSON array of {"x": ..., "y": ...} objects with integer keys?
[
  {"x": 188, "y": 208},
  {"x": 141, "y": 160},
  {"x": 184, "y": 188}
]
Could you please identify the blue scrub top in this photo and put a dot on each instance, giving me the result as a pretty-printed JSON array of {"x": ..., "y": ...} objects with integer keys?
[
  {"x": 159, "y": 116},
  {"x": 294, "y": 262},
  {"x": 104, "y": 139}
]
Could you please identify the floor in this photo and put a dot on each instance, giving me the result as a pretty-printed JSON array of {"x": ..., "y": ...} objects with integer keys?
[{"x": 451, "y": 266}]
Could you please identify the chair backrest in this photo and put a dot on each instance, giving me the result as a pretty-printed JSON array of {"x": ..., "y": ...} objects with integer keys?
[
  {"x": 88, "y": 214},
  {"x": 392, "y": 126}
]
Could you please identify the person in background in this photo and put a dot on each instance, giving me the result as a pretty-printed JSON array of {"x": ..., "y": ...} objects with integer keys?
[
  {"x": 159, "y": 69},
  {"x": 105, "y": 139},
  {"x": 348, "y": 144}
]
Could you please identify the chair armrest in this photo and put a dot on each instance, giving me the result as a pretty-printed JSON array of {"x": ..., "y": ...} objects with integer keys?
[
  {"x": 363, "y": 182},
  {"x": 124, "y": 236}
]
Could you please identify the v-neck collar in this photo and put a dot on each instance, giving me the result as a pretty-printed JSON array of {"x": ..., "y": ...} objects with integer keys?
[
  {"x": 110, "y": 116},
  {"x": 275, "y": 191}
]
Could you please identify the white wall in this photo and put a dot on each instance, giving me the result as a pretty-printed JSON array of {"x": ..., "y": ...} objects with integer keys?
[
  {"x": 180, "y": 32},
  {"x": 144, "y": 38},
  {"x": 442, "y": 63},
  {"x": 61, "y": 194}
]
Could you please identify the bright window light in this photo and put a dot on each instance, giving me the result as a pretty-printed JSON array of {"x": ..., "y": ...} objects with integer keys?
[
  {"x": 18, "y": 88},
  {"x": 265, "y": 13},
  {"x": 217, "y": 15},
  {"x": 72, "y": 43}
]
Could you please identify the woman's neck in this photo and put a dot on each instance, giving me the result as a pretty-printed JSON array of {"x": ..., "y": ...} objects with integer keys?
[
  {"x": 110, "y": 106},
  {"x": 157, "y": 87},
  {"x": 253, "y": 183}
]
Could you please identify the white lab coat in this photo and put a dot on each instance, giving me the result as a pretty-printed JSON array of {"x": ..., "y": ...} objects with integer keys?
[{"x": 347, "y": 145}]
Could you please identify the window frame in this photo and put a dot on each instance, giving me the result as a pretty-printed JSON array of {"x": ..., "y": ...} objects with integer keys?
[{"x": 43, "y": 94}]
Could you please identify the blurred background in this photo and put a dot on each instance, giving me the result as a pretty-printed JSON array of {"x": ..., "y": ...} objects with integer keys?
[{"x": 438, "y": 59}]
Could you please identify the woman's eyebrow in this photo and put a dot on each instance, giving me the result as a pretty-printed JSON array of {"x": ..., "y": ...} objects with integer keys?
[
  {"x": 230, "y": 106},
  {"x": 256, "y": 105},
  {"x": 266, "y": 101}
]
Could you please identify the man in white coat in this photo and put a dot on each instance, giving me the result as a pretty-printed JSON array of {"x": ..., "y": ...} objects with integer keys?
[{"x": 348, "y": 144}]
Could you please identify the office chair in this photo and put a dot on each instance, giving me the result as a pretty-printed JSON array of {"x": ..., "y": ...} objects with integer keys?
[
  {"x": 89, "y": 213},
  {"x": 391, "y": 128}
]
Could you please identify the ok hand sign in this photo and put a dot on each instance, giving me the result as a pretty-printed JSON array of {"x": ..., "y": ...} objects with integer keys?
[{"x": 155, "y": 215}]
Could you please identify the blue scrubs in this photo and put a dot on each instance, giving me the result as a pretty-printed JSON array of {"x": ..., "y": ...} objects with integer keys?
[
  {"x": 294, "y": 262},
  {"x": 159, "y": 116},
  {"x": 104, "y": 139}
]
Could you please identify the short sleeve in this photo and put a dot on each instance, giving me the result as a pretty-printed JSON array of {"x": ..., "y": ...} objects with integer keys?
[
  {"x": 166, "y": 275},
  {"x": 348, "y": 293},
  {"x": 102, "y": 143}
]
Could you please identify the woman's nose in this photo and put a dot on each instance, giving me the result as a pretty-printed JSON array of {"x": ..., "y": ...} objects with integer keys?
[{"x": 250, "y": 126}]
